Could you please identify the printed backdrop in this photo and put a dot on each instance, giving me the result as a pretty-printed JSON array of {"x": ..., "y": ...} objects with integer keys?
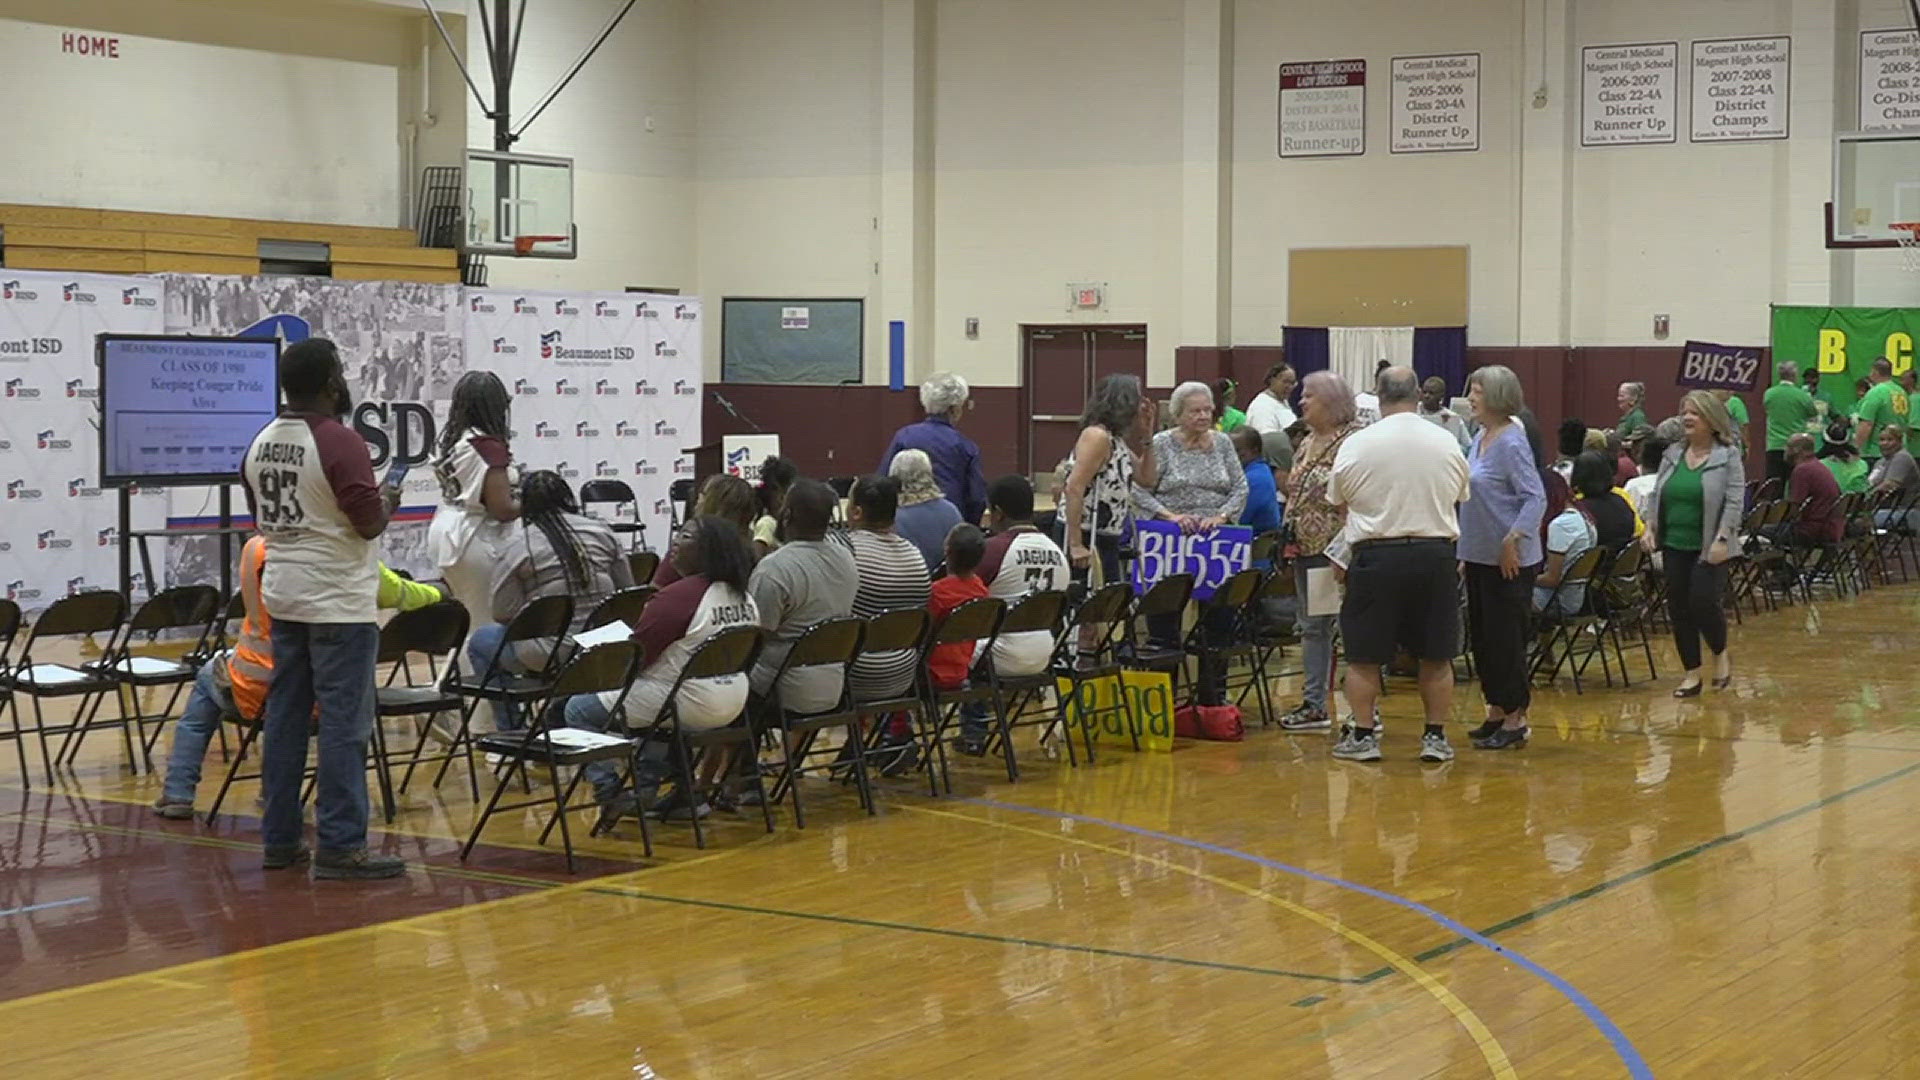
[
  {"x": 605, "y": 385},
  {"x": 57, "y": 527}
]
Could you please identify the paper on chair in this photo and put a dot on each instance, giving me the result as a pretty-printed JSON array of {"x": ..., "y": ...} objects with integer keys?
[
  {"x": 603, "y": 635},
  {"x": 579, "y": 739},
  {"x": 1323, "y": 592}
]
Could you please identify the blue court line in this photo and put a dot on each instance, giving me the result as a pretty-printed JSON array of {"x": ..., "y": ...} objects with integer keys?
[
  {"x": 1622, "y": 1046},
  {"x": 45, "y": 906}
]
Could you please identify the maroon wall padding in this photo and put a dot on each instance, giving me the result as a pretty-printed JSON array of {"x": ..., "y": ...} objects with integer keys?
[{"x": 842, "y": 430}]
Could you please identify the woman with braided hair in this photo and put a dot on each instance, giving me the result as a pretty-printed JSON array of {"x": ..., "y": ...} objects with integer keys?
[
  {"x": 552, "y": 551},
  {"x": 476, "y": 493}
]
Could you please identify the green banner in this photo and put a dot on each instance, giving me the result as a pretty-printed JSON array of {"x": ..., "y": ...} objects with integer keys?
[{"x": 1842, "y": 343}]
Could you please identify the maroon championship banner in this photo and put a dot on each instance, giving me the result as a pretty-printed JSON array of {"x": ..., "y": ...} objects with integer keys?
[{"x": 1706, "y": 366}]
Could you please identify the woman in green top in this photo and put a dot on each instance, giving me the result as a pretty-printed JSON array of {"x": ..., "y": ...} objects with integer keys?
[{"x": 1694, "y": 510}]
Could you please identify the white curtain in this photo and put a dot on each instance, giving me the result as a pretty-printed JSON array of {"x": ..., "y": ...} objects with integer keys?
[{"x": 1354, "y": 351}]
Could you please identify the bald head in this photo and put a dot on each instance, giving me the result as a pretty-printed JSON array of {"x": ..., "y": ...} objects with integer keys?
[
  {"x": 1800, "y": 447},
  {"x": 1398, "y": 389}
]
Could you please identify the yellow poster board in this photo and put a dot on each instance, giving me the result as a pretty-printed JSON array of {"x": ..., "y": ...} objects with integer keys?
[{"x": 1149, "y": 694}]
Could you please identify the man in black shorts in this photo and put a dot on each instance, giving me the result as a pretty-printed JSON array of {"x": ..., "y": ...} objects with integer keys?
[{"x": 1401, "y": 479}]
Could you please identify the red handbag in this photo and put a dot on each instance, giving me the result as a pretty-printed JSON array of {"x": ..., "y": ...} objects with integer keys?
[{"x": 1215, "y": 723}]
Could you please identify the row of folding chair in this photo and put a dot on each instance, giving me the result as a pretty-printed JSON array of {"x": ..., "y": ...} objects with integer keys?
[{"x": 1617, "y": 606}]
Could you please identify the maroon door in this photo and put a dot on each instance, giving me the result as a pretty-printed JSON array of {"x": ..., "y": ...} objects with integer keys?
[{"x": 1061, "y": 365}]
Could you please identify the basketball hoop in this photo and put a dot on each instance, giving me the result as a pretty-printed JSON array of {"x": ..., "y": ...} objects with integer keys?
[
  {"x": 1908, "y": 233},
  {"x": 523, "y": 245}
]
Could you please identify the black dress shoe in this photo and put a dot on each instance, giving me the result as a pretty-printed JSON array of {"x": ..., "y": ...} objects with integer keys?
[
  {"x": 1483, "y": 731},
  {"x": 1503, "y": 738},
  {"x": 1689, "y": 691},
  {"x": 1723, "y": 683}
]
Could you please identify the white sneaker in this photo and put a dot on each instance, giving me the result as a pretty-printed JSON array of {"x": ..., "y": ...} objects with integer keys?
[
  {"x": 1435, "y": 748},
  {"x": 1358, "y": 745}
]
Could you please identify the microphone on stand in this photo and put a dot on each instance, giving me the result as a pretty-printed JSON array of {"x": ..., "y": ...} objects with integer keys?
[{"x": 721, "y": 400}]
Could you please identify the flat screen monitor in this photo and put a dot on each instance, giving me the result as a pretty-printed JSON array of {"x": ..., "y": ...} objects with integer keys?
[{"x": 181, "y": 410}]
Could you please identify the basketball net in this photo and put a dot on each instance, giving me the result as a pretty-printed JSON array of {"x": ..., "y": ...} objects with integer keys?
[{"x": 1908, "y": 233}]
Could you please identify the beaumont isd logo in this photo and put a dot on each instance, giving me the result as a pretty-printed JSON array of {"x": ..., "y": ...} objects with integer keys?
[
  {"x": 17, "y": 590},
  {"x": 73, "y": 294},
  {"x": 660, "y": 349},
  {"x": 683, "y": 467},
  {"x": 643, "y": 467},
  {"x": 18, "y": 491},
  {"x": 78, "y": 488},
  {"x": 521, "y": 306},
  {"x": 682, "y": 388},
  {"x": 504, "y": 347},
  {"x": 51, "y": 541},
  {"x": 605, "y": 468},
  {"x": 567, "y": 471},
  {"x": 661, "y": 427},
  {"x": 606, "y": 309},
  {"x": 623, "y": 429},
  {"x": 48, "y": 440},
  {"x": 525, "y": 388},
  {"x": 565, "y": 307},
  {"x": 644, "y": 310},
  {"x": 78, "y": 388},
  {"x": 132, "y": 298},
  {"x": 480, "y": 305},
  {"x": 544, "y": 430},
  {"x": 605, "y": 388},
  {"x": 565, "y": 388},
  {"x": 585, "y": 430},
  {"x": 549, "y": 344},
  {"x": 20, "y": 391},
  {"x": 684, "y": 313},
  {"x": 107, "y": 537},
  {"x": 11, "y": 290},
  {"x": 643, "y": 388}
]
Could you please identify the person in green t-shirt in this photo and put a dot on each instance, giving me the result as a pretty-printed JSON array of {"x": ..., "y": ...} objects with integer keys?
[
  {"x": 1789, "y": 410},
  {"x": 1884, "y": 404},
  {"x": 1848, "y": 468},
  {"x": 1632, "y": 399},
  {"x": 1224, "y": 392},
  {"x": 1736, "y": 412}
]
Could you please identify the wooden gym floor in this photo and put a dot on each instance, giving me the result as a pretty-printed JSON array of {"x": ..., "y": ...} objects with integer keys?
[{"x": 1717, "y": 888}]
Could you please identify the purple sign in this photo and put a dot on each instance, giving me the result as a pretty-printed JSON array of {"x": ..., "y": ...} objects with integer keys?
[
  {"x": 1707, "y": 366},
  {"x": 1211, "y": 557}
]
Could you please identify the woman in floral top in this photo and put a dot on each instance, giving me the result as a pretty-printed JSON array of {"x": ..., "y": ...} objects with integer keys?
[{"x": 1326, "y": 405}]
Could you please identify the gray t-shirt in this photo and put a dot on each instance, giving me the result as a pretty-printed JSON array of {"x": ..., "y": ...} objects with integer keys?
[
  {"x": 1900, "y": 470},
  {"x": 529, "y": 568},
  {"x": 798, "y": 584}
]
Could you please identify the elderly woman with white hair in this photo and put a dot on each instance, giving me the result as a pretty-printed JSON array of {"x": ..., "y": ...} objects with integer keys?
[
  {"x": 1500, "y": 553},
  {"x": 1199, "y": 484},
  {"x": 955, "y": 458},
  {"x": 925, "y": 516},
  {"x": 1326, "y": 407}
]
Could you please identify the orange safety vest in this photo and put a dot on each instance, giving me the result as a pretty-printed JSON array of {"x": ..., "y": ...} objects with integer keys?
[{"x": 251, "y": 667}]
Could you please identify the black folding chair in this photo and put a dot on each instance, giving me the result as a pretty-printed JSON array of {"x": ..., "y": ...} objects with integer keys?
[
  {"x": 618, "y": 493},
  {"x": 1268, "y": 637},
  {"x": 1036, "y": 613},
  {"x": 623, "y": 606},
  {"x": 1622, "y": 604},
  {"x": 826, "y": 644},
  {"x": 731, "y": 652},
  {"x": 1553, "y": 647},
  {"x": 679, "y": 498},
  {"x": 99, "y": 611},
  {"x": 896, "y": 631},
  {"x": 643, "y": 565},
  {"x": 183, "y": 607},
  {"x": 9, "y": 631},
  {"x": 1223, "y": 634},
  {"x": 976, "y": 621},
  {"x": 1107, "y": 608},
  {"x": 1168, "y": 596},
  {"x": 545, "y": 619},
  {"x": 608, "y": 668}
]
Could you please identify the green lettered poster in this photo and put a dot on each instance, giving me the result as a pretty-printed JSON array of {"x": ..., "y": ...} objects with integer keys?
[{"x": 1842, "y": 343}]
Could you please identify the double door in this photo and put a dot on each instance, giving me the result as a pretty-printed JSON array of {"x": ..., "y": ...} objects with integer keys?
[{"x": 1061, "y": 365}]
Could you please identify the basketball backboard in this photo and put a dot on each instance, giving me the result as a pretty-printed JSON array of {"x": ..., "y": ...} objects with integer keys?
[
  {"x": 520, "y": 196},
  {"x": 1876, "y": 184}
]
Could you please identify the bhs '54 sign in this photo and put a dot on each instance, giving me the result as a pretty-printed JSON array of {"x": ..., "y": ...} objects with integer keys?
[{"x": 1707, "y": 366}]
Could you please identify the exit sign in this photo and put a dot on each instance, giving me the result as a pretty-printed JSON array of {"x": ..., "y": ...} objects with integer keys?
[{"x": 1086, "y": 295}]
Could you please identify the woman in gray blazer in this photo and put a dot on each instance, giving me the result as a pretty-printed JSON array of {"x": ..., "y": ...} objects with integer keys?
[{"x": 1694, "y": 511}]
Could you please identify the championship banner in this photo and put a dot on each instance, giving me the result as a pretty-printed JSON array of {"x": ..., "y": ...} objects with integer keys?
[
  {"x": 605, "y": 386},
  {"x": 402, "y": 346},
  {"x": 1211, "y": 557},
  {"x": 1842, "y": 343},
  {"x": 58, "y": 529}
]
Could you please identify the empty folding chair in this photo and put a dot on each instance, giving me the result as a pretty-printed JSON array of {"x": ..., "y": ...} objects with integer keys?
[
  {"x": 9, "y": 631},
  {"x": 1623, "y": 605},
  {"x": 1168, "y": 596},
  {"x": 1268, "y": 637},
  {"x": 829, "y": 644},
  {"x": 1090, "y": 651},
  {"x": 608, "y": 668},
  {"x": 97, "y": 612},
  {"x": 183, "y": 607},
  {"x": 543, "y": 621},
  {"x": 1224, "y": 633},
  {"x": 620, "y": 494}
]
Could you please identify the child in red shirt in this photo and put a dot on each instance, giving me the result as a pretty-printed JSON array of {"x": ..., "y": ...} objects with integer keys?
[{"x": 966, "y": 546}]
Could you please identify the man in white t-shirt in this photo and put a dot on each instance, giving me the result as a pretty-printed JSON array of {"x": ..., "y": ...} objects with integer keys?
[
  {"x": 310, "y": 483},
  {"x": 1401, "y": 481},
  {"x": 1268, "y": 413},
  {"x": 1020, "y": 559}
]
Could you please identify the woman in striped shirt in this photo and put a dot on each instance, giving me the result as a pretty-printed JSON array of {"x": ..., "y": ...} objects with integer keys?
[{"x": 892, "y": 575}]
